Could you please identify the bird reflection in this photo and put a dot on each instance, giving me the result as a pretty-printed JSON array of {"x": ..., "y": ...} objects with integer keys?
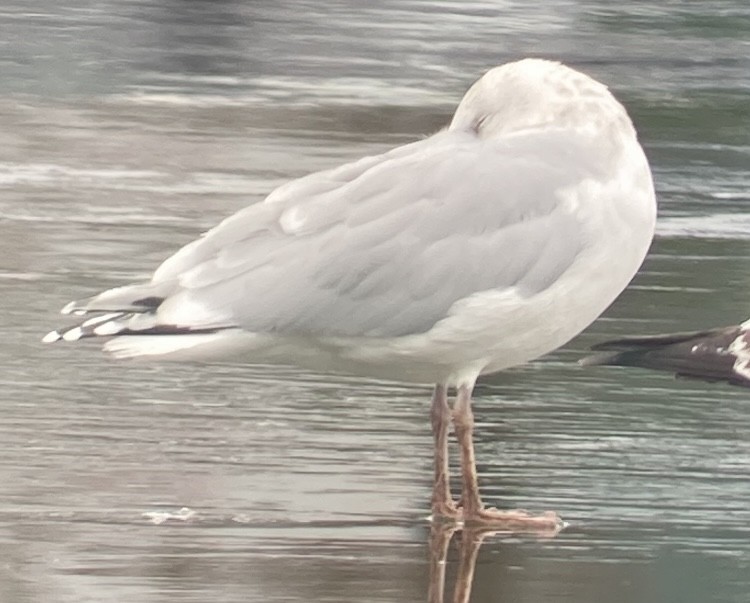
[{"x": 469, "y": 541}]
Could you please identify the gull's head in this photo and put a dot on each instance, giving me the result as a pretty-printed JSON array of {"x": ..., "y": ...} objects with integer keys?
[{"x": 536, "y": 93}]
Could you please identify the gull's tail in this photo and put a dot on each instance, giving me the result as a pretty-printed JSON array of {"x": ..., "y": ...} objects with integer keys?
[
  {"x": 129, "y": 315},
  {"x": 714, "y": 355}
]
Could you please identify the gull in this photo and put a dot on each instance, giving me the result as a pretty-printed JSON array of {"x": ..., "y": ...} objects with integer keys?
[
  {"x": 481, "y": 247},
  {"x": 720, "y": 354}
]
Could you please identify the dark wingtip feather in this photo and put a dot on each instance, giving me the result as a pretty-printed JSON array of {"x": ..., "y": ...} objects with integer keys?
[
  {"x": 712, "y": 355},
  {"x": 623, "y": 344}
]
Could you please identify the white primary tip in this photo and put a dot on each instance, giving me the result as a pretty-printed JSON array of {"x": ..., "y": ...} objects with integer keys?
[
  {"x": 68, "y": 308},
  {"x": 73, "y": 334},
  {"x": 108, "y": 328},
  {"x": 51, "y": 337}
]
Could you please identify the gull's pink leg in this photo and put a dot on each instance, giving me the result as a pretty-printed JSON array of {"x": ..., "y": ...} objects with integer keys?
[
  {"x": 474, "y": 512},
  {"x": 440, "y": 414}
]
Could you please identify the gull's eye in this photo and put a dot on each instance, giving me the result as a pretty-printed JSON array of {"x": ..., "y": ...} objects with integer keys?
[{"x": 477, "y": 125}]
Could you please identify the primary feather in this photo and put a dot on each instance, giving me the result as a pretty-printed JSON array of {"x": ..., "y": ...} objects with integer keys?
[{"x": 721, "y": 354}]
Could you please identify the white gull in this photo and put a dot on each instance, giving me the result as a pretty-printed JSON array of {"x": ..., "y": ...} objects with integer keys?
[{"x": 479, "y": 248}]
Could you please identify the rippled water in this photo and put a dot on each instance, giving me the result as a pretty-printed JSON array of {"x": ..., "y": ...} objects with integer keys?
[{"x": 129, "y": 127}]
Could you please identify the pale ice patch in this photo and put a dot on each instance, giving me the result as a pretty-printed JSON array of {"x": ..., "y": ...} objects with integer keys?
[
  {"x": 22, "y": 276},
  {"x": 159, "y": 517},
  {"x": 716, "y": 226},
  {"x": 12, "y": 174},
  {"x": 291, "y": 90}
]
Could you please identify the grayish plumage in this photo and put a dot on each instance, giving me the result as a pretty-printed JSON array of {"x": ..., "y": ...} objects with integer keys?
[
  {"x": 481, "y": 247},
  {"x": 395, "y": 260},
  {"x": 439, "y": 259}
]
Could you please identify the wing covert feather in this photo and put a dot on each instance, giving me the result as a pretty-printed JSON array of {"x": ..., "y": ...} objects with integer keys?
[{"x": 389, "y": 250}]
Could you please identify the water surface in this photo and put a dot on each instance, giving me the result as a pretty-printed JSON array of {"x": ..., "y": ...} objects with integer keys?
[{"x": 130, "y": 127}]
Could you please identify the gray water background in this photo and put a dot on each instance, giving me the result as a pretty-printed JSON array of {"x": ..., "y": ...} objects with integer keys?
[{"x": 128, "y": 127}]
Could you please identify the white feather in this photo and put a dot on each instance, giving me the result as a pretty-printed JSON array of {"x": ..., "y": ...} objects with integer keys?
[{"x": 178, "y": 347}]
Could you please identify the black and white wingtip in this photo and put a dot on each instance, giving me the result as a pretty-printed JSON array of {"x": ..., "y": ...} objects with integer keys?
[
  {"x": 101, "y": 325},
  {"x": 73, "y": 334}
]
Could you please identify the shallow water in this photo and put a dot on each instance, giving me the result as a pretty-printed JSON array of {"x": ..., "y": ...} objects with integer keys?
[{"x": 129, "y": 127}]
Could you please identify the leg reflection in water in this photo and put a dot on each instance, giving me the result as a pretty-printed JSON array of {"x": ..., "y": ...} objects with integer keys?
[{"x": 469, "y": 542}]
